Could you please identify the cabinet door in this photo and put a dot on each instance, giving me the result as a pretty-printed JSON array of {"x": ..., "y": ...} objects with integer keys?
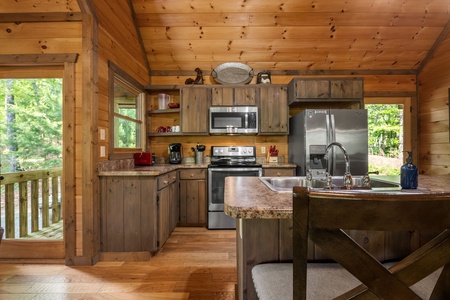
[
  {"x": 245, "y": 96},
  {"x": 193, "y": 202},
  {"x": 274, "y": 110},
  {"x": 346, "y": 88},
  {"x": 194, "y": 110},
  {"x": 222, "y": 96},
  {"x": 234, "y": 96},
  {"x": 174, "y": 206},
  {"x": 312, "y": 89},
  {"x": 163, "y": 215}
]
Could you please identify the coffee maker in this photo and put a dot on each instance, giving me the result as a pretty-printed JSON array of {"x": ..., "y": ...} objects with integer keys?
[{"x": 175, "y": 153}]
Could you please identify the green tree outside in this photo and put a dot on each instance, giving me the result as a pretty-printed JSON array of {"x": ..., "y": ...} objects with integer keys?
[
  {"x": 37, "y": 124},
  {"x": 385, "y": 135}
]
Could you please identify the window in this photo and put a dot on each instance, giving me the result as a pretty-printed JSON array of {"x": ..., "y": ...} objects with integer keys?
[{"x": 127, "y": 102}]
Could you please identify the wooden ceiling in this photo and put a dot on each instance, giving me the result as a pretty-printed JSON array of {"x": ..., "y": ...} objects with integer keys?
[{"x": 288, "y": 35}]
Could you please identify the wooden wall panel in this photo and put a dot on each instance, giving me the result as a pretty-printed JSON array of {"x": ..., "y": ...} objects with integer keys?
[
  {"x": 434, "y": 84},
  {"x": 38, "y": 6}
]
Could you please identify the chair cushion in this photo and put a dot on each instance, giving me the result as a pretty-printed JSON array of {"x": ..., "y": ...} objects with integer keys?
[{"x": 324, "y": 281}]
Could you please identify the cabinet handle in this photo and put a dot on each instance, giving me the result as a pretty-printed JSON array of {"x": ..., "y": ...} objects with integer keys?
[
  {"x": 192, "y": 175},
  {"x": 278, "y": 174},
  {"x": 174, "y": 177},
  {"x": 166, "y": 181}
]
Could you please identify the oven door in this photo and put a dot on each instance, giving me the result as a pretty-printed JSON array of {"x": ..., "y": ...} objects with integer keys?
[{"x": 216, "y": 183}]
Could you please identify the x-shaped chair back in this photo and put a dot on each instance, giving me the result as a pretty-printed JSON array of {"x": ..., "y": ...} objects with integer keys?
[{"x": 323, "y": 216}]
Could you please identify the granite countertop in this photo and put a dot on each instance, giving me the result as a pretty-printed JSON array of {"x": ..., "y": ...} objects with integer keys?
[
  {"x": 159, "y": 169},
  {"x": 249, "y": 198},
  {"x": 154, "y": 170}
]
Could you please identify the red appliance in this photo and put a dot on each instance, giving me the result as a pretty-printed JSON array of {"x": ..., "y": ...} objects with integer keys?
[{"x": 143, "y": 159}]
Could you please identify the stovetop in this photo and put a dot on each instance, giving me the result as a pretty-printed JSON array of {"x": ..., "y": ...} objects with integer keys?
[{"x": 233, "y": 156}]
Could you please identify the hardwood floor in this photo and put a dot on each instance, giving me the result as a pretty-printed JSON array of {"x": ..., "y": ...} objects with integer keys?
[{"x": 195, "y": 263}]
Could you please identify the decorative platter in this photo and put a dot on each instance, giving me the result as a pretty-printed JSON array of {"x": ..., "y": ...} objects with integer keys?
[{"x": 232, "y": 73}]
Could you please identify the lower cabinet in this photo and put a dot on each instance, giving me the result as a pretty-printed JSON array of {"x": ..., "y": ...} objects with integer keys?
[
  {"x": 167, "y": 202},
  {"x": 128, "y": 214},
  {"x": 137, "y": 213},
  {"x": 193, "y": 197}
]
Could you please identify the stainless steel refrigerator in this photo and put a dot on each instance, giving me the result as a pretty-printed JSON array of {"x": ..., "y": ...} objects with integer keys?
[{"x": 312, "y": 130}]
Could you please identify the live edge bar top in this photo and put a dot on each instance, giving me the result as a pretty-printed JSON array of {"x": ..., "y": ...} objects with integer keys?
[{"x": 249, "y": 198}]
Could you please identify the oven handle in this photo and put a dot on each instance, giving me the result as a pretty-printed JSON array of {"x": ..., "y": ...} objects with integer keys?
[{"x": 214, "y": 169}]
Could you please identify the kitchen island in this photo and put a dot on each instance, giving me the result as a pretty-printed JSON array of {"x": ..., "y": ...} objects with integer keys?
[{"x": 264, "y": 228}]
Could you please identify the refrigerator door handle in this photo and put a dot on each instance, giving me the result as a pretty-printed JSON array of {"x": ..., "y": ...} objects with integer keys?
[{"x": 332, "y": 135}]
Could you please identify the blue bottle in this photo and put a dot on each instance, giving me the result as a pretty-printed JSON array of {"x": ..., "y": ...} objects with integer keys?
[{"x": 409, "y": 174}]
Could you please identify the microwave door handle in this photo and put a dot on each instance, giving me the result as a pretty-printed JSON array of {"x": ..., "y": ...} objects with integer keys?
[{"x": 246, "y": 120}]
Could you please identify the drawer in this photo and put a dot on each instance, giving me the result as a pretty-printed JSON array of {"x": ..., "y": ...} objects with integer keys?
[
  {"x": 166, "y": 179},
  {"x": 193, "y": 174},
  {"x": 278, "y": 172}
]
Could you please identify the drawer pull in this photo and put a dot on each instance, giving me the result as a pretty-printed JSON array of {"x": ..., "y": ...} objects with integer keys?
[{"x": 166, "y": 181}]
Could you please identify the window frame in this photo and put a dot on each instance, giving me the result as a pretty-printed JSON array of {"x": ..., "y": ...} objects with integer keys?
[{"x": 115, "y": 74}]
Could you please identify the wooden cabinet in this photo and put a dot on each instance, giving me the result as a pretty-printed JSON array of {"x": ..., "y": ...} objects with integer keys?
[
  {"x": 312, "y": 89},
  {"x": 346, "y": 89},
  {"x": 277, "y": 172},
  {"x": 167, "y": 200},
  {"x": 128, "y": 214},
  {"x": 273, "y": 110},
  {"x": 193, "y": 196},
  {"x": 234, "y": 96},
  {"x": 194, "y": 110},
  {"x": 326, "y": 92}
]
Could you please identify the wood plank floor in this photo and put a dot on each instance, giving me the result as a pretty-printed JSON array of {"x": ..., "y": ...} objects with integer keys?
[{"x": 195, "y": 263}]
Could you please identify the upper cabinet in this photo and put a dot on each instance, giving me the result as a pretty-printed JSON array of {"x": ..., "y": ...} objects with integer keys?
[
  {"x": 346, "y": 88},
  {"x": 234, "y": 96},
  {"x": 326, "y": 92},
  {"x": 273, "y": 110},
  {"x": 194, "y": 110}
]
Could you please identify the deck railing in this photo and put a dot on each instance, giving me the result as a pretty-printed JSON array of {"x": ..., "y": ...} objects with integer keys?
[{"x": 29, "y": 197}]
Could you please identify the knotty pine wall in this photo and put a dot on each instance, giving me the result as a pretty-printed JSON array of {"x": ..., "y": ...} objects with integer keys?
[{"x": 434, "y": 84}]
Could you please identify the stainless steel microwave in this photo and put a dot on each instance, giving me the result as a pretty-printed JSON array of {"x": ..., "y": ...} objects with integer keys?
[{"x": 233, "y": 120}]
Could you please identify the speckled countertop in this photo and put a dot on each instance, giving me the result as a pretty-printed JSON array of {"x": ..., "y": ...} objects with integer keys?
[
  {"x": 154, "y": 170},
  {"x": 159, "y": 169},
  {"x": 249, "y": 198}
]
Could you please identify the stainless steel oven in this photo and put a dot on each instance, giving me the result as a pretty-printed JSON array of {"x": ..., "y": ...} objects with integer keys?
[{"x": 227, "y": 161}]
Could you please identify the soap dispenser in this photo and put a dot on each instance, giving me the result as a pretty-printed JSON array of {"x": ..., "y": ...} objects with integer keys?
[{"x": 409, "y": 174}]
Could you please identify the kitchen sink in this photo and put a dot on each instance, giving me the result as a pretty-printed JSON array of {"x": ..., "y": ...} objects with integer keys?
[{"x": 285, "y": 184}]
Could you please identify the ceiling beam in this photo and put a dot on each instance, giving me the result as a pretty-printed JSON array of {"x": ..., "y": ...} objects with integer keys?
[{"x": 434, "y": 48}]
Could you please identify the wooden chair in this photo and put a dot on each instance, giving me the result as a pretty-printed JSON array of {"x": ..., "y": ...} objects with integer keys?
[{"x": 324, "y": 215}]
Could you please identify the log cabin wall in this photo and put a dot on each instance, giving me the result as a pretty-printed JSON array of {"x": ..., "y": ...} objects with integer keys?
[
  {"x": 434, "y": 85},
  {"x": 114, "y": 39}
]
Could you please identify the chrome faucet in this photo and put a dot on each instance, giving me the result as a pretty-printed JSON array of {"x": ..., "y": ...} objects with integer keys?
[{"x": 348, "y": 180}]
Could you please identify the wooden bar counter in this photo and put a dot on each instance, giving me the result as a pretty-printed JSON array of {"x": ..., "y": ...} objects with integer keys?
[{"x": 264, "y": 227}]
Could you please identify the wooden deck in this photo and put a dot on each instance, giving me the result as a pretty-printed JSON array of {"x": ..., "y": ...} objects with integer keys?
[{"x": 54, "y": 231}]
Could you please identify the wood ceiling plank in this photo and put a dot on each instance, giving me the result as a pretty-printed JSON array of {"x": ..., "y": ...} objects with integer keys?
[
  {"x": 13, "y": 6},
  {"x": 41, "y": 30},
  {"x": 223, "y": 19},
  {"x": 206, "y": 6},
  {"x": 287, "y": 32}
]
